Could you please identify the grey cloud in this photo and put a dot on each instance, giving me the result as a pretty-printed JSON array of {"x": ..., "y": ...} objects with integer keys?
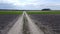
[{"x": 6, "y": 6}]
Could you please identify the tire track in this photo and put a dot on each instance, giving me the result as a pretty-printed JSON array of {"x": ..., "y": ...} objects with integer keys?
[
  {"x": 32, "y": 27},
  {"x": 17, "y": 27}
]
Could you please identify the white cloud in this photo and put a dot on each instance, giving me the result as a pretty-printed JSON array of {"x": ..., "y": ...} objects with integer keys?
[{"x": 23, "y": 2}]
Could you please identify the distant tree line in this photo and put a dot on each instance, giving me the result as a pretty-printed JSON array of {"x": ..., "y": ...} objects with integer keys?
[{"x": 46, "y": 9}]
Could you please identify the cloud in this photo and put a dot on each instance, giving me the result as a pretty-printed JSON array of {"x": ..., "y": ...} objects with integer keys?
[
  {"x": 20, "y": 2},
  {"x": 29, "y": 4},
  {"x": 7, "y": 6}
]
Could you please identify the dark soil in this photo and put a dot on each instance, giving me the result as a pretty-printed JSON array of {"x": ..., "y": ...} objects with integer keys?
[
  {"x": 49, "y": 21},
  {"x": 6, "y": 22}
]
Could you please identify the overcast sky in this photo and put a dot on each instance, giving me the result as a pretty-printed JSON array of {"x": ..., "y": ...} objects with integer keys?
[{"x": 30, "y": 4}]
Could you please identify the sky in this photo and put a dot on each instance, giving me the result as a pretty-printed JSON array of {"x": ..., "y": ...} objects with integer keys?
[{"x": 30, "y": 4}]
